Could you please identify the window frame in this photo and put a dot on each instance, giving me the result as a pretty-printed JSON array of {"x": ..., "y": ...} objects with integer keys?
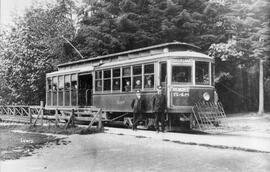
[
  {"x": 67, "y": 77},
  {"x": 107, "y": 79},
  {"x": 55, "y": 82},
  {"x": 124, "y": 77},
  {"x": 137, "y": 75},
  {"x": 209, "y": 75},
  {"x": 61, "y": 83},
  {"x": 115, "y": 78},
  {"x": 100, "y": 80},
  {"x": 148, "y": 74}
]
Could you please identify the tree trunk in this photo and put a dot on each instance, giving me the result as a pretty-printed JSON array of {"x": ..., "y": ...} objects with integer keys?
[{"x": 261, "y": 91}]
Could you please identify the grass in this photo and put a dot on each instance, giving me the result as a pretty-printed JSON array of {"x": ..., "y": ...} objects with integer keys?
[{"x": 14, "y": 145}]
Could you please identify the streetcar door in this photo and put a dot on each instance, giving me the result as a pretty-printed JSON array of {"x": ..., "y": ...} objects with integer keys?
[
  {"x": 163, "y": 77},
  {"x": 85, "y": 89},
  {"x": 163, "y": 74}
]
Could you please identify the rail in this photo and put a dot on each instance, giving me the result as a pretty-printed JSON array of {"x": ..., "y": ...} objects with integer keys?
[{"x": 37, "y": 114}]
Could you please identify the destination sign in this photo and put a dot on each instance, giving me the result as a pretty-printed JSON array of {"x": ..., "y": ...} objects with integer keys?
[
  {"x": 178, "y": 89},
  {"x": 180, "y": 92},
  {"x": 183, "y": 60}
]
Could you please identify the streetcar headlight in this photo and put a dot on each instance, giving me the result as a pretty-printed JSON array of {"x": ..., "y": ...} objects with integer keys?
[{"x": 206, "y": 96}]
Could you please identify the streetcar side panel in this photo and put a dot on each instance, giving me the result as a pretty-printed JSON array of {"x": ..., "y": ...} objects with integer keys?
[{"x": 121, "y": 102}]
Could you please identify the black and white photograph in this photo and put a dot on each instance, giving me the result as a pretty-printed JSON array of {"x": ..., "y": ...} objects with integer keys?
[{"x": 134, "y": 86}]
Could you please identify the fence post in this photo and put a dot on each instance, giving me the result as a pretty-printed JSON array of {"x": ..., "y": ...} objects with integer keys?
[
  {"x": 42, "y": 111},
  {"x": 14, "y": 111},
  {"x": 100, "y": 120},
  {"x": 21, "y": 109},
  {"x": 56, "y": 117},
  {"x": 30, "y": 115},
  {"x": 72, "y": 118}
]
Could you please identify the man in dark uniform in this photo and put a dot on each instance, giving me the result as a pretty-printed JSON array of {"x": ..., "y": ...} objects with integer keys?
[
  {"x": 159, "y": 106},
  {"x": 137, "y": 105}
]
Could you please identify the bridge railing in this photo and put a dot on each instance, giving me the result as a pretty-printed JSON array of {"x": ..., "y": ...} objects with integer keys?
[{"x": 33, "y": 114}]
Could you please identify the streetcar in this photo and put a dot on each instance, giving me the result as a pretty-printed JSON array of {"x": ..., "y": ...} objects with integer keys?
[{"x": 110, "y": 82}]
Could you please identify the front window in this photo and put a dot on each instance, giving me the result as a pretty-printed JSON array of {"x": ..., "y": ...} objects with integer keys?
[
  {"x": 202, "y": 73},
  {"x": 181, "y": 74}
]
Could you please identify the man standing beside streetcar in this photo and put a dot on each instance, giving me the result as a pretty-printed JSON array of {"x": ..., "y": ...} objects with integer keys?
[
  {"x": 159, "y": 108},
  {"x": 137, "y": 106}
]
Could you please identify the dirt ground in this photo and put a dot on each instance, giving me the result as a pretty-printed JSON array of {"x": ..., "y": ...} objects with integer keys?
[
  {"x": 250, "y": 124},
  {"x": 124, "y": 153},
  {"x": 112, "y": 152}
]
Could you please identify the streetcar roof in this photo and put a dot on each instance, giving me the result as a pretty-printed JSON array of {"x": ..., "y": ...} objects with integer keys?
[
  {"x": 182, "y": 44},
  {"x": 88, "y": 68},
  {"x": 180, "y": 54},
  {"x": 69, "y": 71}
]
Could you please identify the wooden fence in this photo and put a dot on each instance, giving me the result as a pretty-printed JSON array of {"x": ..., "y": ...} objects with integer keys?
[{"x": 35, "y": 115}]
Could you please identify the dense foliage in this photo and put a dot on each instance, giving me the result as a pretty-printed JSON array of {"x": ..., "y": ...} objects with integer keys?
[
  {"x": 235, "y": 32},
  {"x": 112, "y": 26},
  {"x": 237, "y": 59},
  {"x": 33, "y": 47}
]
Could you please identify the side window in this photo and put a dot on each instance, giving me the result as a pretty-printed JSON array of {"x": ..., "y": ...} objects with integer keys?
[
  {"x": 67, "y": 82},
  {"x": 181, "y": 74},
  {"x": 98, "y": 84},
  {"x": 54, "y": 85},
  {"x": 149, "y": 76},
  {"x": 137, "y": 77},
  {"x": 61, "y": 83},
  {"x": 126, "y": 80},
  {"x": 49, "y": 84},
  {"x": 116, "y": 79},
  {"x": 74, "y": 84},
  {"x": 202, "y": 73},
  {"x": 107, "y": 80}
]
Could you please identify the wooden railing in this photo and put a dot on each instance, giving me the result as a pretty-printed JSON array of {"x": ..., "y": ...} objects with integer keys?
[
  {"x": 21, "y": 113},
  {"x": 38, "y": 113}
]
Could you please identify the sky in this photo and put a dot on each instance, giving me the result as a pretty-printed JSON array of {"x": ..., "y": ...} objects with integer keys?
[{"x": 10, "y": 8}]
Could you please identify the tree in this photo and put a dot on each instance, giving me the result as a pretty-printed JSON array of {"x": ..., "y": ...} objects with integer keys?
[
  {"x": 112, "y": 26},
  {"x": 247, "y": 23},
  {"x": 33, "y": 48}
]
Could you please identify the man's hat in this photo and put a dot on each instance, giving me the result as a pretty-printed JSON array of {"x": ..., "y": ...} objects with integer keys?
[
  {"x": 159, "y": 87},
  {"x": 138, "y": 91},
  {"x": 148, "y": 77}
]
